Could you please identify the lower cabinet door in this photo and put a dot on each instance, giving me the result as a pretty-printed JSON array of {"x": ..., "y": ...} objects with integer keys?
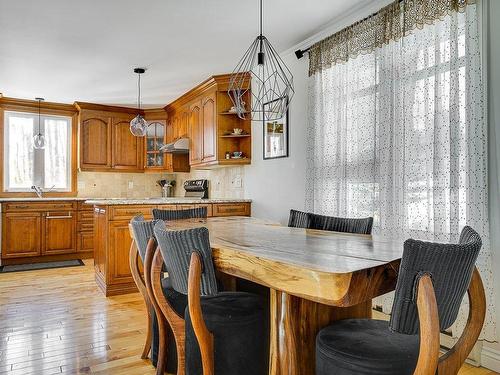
[
  {"x": 21, "y": 234},
  {"x": 85, "y": 241},
  {"x": 118, "y": 253},
  {"x": 60, "y": 233}
]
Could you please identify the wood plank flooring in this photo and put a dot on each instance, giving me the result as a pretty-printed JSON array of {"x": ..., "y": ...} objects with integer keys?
[{"x": 57, "y": 322}]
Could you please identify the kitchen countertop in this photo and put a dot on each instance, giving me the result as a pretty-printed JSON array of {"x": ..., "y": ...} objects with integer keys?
[
  {"x": 44, "y": 199},
  {"x": 120, "y": 201},
  {"x": 173, "y": 200}
]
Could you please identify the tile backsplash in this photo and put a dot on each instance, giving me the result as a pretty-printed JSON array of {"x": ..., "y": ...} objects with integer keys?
[
  {"x": 223, "y": 183},
  {"x": 120, "y": 185}
]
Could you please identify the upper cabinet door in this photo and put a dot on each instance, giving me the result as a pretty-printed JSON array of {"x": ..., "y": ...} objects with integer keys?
[
  {"x": 195, "y": 133},
  {"x": 95, "y": 143},
  {"x": 209, "y": 128},
  {"x": 127, "y": 150}
]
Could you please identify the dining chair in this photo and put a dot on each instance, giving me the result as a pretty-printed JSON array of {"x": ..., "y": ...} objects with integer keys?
[
  {"x": 234, "y": 339},
  {"x": 188, "y": 213},
  {"x": 341, "y": 224},
  {"x": 299, "y": 219},
  {"x": 138, "y": 231},
  {"x": 169, "y": 305},
  {"x": 432, "y": 281},
  {"x": 141, "y": 232}
]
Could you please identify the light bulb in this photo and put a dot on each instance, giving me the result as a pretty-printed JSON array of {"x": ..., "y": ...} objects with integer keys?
[
  {"x": 39, "y": 141},
  {"x": 138, "y": 126}
]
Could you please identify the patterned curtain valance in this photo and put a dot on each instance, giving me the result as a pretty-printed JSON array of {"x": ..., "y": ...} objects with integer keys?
[{"x": 390, "y": 23}]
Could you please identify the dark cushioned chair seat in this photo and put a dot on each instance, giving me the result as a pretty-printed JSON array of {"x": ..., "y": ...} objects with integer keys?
[
  {"x": 364, "y": 346},
  {"x": 237, "y": 321}
]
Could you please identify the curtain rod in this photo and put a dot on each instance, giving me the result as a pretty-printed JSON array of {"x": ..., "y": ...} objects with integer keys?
[{"x": 300, "y": 52}]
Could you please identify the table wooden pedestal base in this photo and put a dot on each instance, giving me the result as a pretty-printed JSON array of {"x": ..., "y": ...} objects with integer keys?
[{"x": 295, "y": 323}]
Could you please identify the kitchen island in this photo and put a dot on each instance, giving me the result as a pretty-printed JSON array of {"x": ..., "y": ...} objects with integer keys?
[{"x": 112, "y": 238}]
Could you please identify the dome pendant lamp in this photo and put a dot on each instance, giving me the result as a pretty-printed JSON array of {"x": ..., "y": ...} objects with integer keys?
[
  {"x": 138, "y": 125},
  {"x": 271, "y": 81},
  {"x": 39, "y": 139}
]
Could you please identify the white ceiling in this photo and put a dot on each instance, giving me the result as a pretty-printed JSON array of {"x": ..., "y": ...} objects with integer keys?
[{"x": 67, "y": 50}]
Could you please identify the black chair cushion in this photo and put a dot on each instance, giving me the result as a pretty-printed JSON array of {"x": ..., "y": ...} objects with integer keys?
[
  {"x": 365, "y": 346},
  {"x": 237, "y": 321}
]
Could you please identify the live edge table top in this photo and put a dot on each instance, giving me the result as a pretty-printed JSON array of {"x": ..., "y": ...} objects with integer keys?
[{"x": 333, "y": 268}]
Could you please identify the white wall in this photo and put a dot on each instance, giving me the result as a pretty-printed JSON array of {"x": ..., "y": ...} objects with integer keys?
[{"x": 276, "y": 185}]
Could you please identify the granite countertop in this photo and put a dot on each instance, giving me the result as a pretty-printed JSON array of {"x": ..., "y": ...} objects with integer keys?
[
  {"x": 44, "y": 199},
  {"x": 173, "y": 200},
  {"x": 120, "y": 201}
]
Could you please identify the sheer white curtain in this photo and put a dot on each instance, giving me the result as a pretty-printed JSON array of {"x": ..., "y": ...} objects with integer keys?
[{"x": 399, "y": 134}]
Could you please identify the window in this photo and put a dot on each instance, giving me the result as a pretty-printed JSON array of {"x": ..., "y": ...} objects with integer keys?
[{"x": 25, "y": 166}]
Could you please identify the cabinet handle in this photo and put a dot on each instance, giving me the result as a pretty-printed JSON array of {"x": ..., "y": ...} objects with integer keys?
[
  {"x": 21, "y": 206},
  {"x": 69, "y": 216}
]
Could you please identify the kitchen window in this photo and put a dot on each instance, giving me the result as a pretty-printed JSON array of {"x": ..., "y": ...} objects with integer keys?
[{"x": 25, "y": 166}]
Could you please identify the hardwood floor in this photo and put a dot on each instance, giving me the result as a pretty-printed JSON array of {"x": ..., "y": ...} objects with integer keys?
[{"x": 57, "y": 322}]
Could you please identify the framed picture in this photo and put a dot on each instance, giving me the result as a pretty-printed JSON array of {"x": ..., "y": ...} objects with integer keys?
[{"x": 275, "y": 136}]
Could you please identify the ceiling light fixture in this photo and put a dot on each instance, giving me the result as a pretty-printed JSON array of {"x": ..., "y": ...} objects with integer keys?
[
  {"x": 138, "y": 125},
  {"x": 39, "y": 139},
  {"x": 271, "y": 81}
]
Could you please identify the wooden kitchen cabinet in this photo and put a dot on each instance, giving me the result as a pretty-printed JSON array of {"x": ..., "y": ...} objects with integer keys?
[
  {"x": 209, "y": 128},
  {"x": 60, "y": 233},
  {"x": 127, "y": 150},
  {"x": 195, "y": 131},
  {"x": 105, "y": 141},
  {"x": 162, "y": 131},
  {"x": 40, "y": 231},
  {"x": 21, "y": 234},
  {"x": 95, "y": 141},
  {"x": 210, "y": 124}
]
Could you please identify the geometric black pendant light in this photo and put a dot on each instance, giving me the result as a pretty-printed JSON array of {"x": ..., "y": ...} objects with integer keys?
[
  {"x": 138, "y": 125},
  {"x": 271, "y": 81}
]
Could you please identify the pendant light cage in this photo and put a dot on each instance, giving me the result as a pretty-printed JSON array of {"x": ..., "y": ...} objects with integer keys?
[
  {"x": 139, "y": 125},
  {"x": 271, "y": 81}
]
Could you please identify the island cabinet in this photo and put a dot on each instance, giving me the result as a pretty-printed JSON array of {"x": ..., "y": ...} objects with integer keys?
[
  {"x": 204, "y": 114},
  {"x": 105, "y": 140},
  {"x": 44, "y": 231},
  {"x": 112, "y": 239}
]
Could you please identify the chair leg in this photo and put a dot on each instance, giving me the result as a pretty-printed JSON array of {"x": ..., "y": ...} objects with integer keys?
[
  {"x": 162, "y": 347},
  {"x": 147, "y": 344},
  {"x": 180, "y": 345}
]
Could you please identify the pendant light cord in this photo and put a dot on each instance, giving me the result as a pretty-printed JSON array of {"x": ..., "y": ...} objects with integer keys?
[
  {"x": 39, "y": 132},
  {"x": 261, "y": 18},
  {"x": 139, "y": 96}
]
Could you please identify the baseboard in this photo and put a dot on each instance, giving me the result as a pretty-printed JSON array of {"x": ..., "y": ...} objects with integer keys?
[{"x": 490, "y": 358}]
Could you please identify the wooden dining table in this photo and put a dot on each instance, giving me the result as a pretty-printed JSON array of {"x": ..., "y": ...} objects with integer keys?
[{"x": 315, "y": 277}]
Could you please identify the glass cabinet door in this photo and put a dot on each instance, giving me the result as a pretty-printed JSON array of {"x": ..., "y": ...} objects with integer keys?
[{"x": 155, "y": 138}]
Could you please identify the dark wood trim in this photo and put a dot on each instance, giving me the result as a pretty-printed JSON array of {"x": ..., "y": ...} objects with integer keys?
[
  {"x": 24, "y": 105},
  {"x": 221, "y": 81},
  {"x": 107, "y": 108}
]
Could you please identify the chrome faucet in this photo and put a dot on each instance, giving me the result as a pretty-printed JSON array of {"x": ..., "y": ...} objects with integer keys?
[{"x": 38, "y": 190}]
